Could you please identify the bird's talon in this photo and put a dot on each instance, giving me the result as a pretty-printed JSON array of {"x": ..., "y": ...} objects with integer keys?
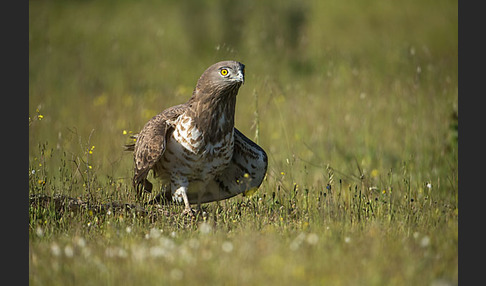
[{"x": 189, "y": 211}]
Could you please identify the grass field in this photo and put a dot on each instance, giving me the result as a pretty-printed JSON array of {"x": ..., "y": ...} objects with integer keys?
[{"x": 355, "y": 104}]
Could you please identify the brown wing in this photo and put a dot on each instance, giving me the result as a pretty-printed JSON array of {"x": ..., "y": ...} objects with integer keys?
[
  {"x": 150, "y": 142},
  {"x": 244, "y": 173}
]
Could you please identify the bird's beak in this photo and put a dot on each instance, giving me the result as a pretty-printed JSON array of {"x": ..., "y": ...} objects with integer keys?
[{"x": 241, "y": 75}]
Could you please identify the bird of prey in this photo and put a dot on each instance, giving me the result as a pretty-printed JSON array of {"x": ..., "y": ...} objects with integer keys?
[{"x": 194, "y": 147}]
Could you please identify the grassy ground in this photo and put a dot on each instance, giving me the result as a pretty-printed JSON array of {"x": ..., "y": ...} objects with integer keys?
[{"x": 355, "y": 104}]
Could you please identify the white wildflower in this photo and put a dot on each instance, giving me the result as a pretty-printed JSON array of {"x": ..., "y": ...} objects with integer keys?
[
  {"x": 227, "y": 246},
  {"x": 425, "y": 241},
  {"x": 312, "y": 238},
  {"x": 157, "y": 251},
  {"x": 68, "y": 251},
  {"x": 39, "y": 231},
  {"x": 55, "y": 249},
  {"x": 193, "y": 243},
  {"x": 416, "y": 235},
  {"x": 167, "y": 243},
  {"x": 154, "y": 233},
  {"x": 295, "y": 244},
  {"x": 176, "y": 274},
  {"x": 205, "y": 228},
  {"x": 80, "y": 242}
]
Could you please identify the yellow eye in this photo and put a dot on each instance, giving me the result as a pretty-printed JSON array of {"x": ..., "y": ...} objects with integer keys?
[{"x": 224, "y": 72}]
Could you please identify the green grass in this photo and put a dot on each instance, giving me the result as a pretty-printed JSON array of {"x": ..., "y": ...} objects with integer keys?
[{"x": 357, "y": 110}]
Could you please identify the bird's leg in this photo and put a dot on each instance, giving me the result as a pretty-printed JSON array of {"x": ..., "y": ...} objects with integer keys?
[
  {"x": 141, "y": 187},
  {"x": 147, "y": 186},
  {"x": 187, "y": 210},
  {"x": 181, "y": 192},
  {"x": 164, "y": 198}
]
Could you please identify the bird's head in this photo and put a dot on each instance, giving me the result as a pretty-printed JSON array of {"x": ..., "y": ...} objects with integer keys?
[{"x": 222, "y": 77}]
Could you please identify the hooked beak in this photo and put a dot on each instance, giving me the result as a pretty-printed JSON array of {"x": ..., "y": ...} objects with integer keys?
[{"x": 241, "y": 73}]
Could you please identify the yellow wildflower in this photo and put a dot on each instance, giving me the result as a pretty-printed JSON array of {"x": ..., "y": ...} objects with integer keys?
[
  {"x": 250, "y": 192},
  {"x": 374, "y": 173}
]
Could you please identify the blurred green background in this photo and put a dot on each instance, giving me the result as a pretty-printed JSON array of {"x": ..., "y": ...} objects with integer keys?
[
  {"x": 355, "y": 103},
  {"x": 372, "y": 84}
]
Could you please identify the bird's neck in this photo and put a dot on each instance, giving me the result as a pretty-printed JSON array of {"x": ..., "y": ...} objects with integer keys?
[{"x": 216, "y": 114}]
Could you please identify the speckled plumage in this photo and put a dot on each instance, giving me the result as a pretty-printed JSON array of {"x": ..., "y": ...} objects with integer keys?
[{"x": 195, "y": 148}]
